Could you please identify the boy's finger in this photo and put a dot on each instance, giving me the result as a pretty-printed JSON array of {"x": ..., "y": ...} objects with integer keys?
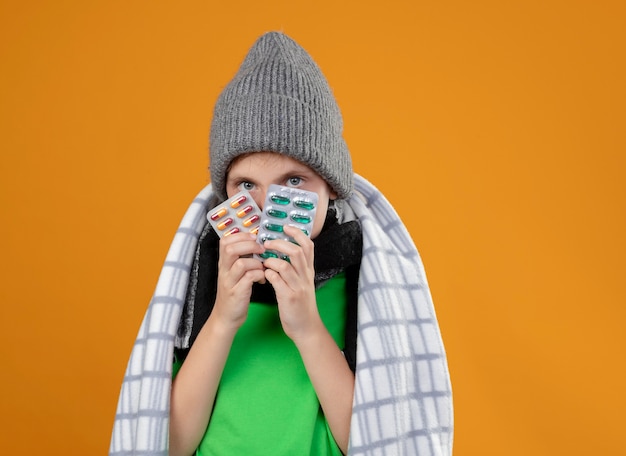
[
  {"x": 240, "y": 244},
  {"x": 296, "y": 233}
]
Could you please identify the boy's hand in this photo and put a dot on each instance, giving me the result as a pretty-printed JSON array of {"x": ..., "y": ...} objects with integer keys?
[
  {"x": 236, "y": 272},
  {"x": 293, "y": 282}
]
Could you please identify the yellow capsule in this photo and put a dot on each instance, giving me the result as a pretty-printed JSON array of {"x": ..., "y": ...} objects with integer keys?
[
  {"x": 224, "y": 224},
  {"x": 219, "y": 214},
  {"x": 233, "y": 231},
  {"x": 251, "y": 221},
  {"x": 244, "y": 211},
  {"x": 238, "y": 201}
]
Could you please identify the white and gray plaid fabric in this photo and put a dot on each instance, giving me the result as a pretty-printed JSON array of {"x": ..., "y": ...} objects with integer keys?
[{"x": 403, "y": 398}]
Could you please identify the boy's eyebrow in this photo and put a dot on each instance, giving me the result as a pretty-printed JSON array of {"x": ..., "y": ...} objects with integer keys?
[
  {"x": 233, "y": 176},
  {"x": 299, "y": 171},
  {"x": 240, "y": 175}
]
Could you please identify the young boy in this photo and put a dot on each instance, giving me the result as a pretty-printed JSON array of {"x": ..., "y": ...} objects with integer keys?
[
  {"x": 336, "y": 350},
  {"x": 265, "y": 377}
]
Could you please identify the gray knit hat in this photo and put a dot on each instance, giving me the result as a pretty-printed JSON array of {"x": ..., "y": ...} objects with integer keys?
[{"x": 280, "y": 101}]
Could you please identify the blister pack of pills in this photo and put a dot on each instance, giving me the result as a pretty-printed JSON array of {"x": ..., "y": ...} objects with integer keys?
[
  {"x": 285, "y": 206},
  {"x": 237, "y": 214}
]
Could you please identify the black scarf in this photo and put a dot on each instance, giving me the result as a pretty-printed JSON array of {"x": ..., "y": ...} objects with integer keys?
[{"x": 337, "y": 248}]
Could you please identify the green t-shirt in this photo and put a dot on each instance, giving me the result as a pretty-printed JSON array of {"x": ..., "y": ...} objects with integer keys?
[{"x": 266, "y": 404}]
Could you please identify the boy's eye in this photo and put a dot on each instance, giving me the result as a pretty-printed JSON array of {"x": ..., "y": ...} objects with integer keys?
[
  {"x": 248, "y": 186},
  {"x": 294, "y": 181}
]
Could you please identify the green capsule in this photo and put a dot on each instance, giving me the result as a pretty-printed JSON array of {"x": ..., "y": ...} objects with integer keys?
[
  {"x": 278, "y": 199},
  {"x": 304, "y": 231},
  {"x": 276, "y": 213},
  {"x": 304, "y": 204},
  {"x": 267, "y": 254},
  {"x": 301, "y": 218},
  {"x": 274, "y": 227}
]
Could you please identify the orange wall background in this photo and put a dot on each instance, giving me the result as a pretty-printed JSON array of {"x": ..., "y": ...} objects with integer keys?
[{"x": 495, "y": 128}]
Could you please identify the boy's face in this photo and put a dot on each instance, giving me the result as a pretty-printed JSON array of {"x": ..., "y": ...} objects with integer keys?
[{"x": 255, "y": 172}]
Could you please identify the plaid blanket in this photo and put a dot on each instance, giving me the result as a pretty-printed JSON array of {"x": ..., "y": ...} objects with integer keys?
[{"x": 403, "y": 399}]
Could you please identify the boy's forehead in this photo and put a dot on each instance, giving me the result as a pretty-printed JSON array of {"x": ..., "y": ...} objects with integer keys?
[{"x": 254, "y": 159}]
